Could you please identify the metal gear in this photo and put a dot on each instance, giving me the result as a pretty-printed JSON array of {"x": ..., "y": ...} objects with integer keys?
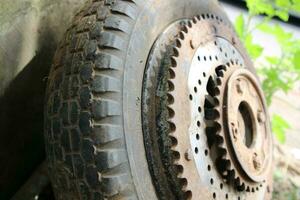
[
  {"x": 194, "y": 68},
  {"x": 242, "y": 130}
]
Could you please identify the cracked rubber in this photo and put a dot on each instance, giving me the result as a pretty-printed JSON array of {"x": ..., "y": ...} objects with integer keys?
[{"x": 88, "y": 149}]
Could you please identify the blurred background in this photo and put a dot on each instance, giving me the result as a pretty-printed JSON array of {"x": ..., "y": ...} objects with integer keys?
[{"x": 30, "y": 31}]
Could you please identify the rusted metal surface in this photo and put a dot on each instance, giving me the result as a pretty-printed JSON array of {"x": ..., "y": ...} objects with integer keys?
[
  {"x": 251, "y": 138},
  {"x": 219, "y": 144}
]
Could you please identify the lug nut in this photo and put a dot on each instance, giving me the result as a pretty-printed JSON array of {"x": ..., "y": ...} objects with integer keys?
[
  {"x": 261, "y": 117},
  {"x": 239, "y": 87},
  {"x": 256, "y": 162},
  {"x": 188, "y": 155}
]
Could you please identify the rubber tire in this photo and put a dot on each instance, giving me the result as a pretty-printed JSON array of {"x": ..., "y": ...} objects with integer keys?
[{"x": 93, "y": 130}]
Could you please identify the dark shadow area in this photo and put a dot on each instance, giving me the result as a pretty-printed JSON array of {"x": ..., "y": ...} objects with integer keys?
[{"x": 21, "y": 121}]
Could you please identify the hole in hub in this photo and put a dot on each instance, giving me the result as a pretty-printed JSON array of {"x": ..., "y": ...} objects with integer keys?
[{"x": 246, "y": 124}]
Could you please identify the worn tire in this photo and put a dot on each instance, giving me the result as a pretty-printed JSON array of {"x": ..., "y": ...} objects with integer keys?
[{"x": 93, "y": 132}]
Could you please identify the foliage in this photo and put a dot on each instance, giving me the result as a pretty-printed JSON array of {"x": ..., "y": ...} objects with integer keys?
[
  {"x": 279, "y": 125},
  {"x": 278, "y": 72}
]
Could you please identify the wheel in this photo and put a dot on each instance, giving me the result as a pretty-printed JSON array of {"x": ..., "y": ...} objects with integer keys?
[{"x": 156, "y": 100}]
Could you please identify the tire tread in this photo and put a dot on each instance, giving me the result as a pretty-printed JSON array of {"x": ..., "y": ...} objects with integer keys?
[{"x": 83, "y": 131}]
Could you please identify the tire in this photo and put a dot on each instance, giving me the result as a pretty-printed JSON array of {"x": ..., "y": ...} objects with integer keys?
[{"x": 93, "y": 126}]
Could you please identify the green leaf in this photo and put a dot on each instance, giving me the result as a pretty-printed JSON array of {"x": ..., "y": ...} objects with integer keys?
[
  {"x": 283, "y": 3},
  {"x": 296, "y": 60},
  {"x": 240, "y": 25},
  {"x": 273, "y": 59},
  {"x": 279, "y": 127},
  {"x": 282, "y": 14},
  {"x": 254, "y": 50},
  {"x": 296, "y": 7},
  {"x": 257, "y": 7}
]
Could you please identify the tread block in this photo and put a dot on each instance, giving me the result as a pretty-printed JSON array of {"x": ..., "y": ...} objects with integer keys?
[
  {"x": 85, "y": 123},
  {"x": 65, "y": 140},
  {"x": 84, "y": 190},
  {"x": 88, "y": 150},
  {"x": 105, "y": 108},
  {"x": 103, "y": 83},
  {"x": 109, "y": 159},
  {"x": 111, "y": 40},
  {"x": 78, "y": 166},
  {"x": 69, "y": 163},
  {"x": 102, "y": 12},
  {"x": 65, "y": 88},
  {"x": 90, "y": 49},
  {"x": 105, "y": 133},
  {"x": 86, "y": 23},
  {"x": 56, "y": 128},
  {"x": 74, "y": 87},
  {"x": 84, "y": 140},
  {"x": 85, "y": 97},
  {"x": 107, "y": 61},
  {"x": 112, "y": 185},
  {"x": 92, "y": 177},
  {"x": 86, "y": 72},
  {"x": 74, "y": 112},
  {"x": 96, "y": 30},
  {"x": 75, "y": 140},
  {"x": 124, "y": 8},
  {"x": 82, "y": 41},
  {"x": 117, "y": 23},
  {"x": 64, "y": 113},
  {"x": 56, "y": 103}
]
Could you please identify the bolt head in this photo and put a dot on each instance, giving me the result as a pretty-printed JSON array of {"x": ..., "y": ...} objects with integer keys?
[
  {"x": 239, "y": 87},
  {"x": 261, "y": 117},
  {"x": 256, "y": 161},
  {"x": 188, "y": 155}
]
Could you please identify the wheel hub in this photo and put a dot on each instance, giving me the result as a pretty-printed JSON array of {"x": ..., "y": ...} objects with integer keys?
[
  {"x": 210, "y": 126},
  {"x": 248, "y": 130}
]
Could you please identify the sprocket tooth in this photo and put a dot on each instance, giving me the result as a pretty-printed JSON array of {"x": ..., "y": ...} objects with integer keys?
[
  {"x": 178, "y": 43},
  {"x": 241, "y": 187},
  {"x": 248, "y": 188},
  {"x": 174, "y": 142},
  {"x": 190, "y": 24},
  {"x": 217, "y": 101},
  {"x": 237, "y": 182},
  {"x": 172, "y": 126},
  {"x": 182, "y": 35},
  {"x": 176, "y": 51},
  {"x": 222, "y": 152},
  {"x": 176, "y": 156},
  {"x": 202, "y": 17},
  {"x": 172, "y": 74},
  {"x": 170, "y": 99},
  {"x": 185, "y": 29},
  {"x": 220, "y": 73},
  {"x": 174, "y": 61},
  {"x": 170, "y": 85},
  {"x": 217, "y": 91},
  {"x": 219, "y": 140},
  {"x": 211, "y": 114},
  {"x": 219, "y": 81},
  {"x": 222, "y": 166},
  {"x": 171, "y": 112},
  {"x": 195, "y": 19}
]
